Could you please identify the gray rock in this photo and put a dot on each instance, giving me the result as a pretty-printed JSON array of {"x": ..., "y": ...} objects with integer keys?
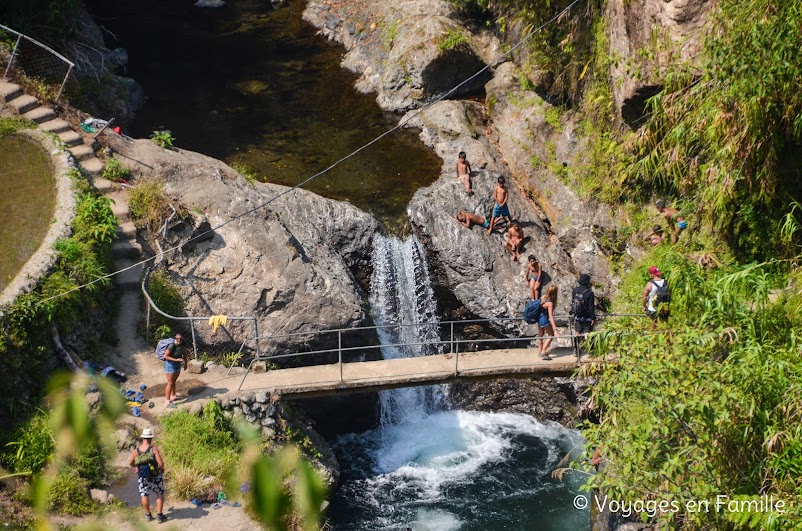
[
  {"x": 195, "y": 367},
  {"x": 631, "y": 25},
  {"x": 246, "y": 410},
  {"x": 100, "y": 496},
  {"x": 92, "y": 400},
  {"x": 267, "y": 421},
  {"x": 259, "y": 367},
  {"x": 210, "y": 3},
  {"x": 195, "y": 408},
  {"x": 268, "y": 433},
  {"x": 250, "y": 418},
  {"x": 246, "y": 398},
  {"x": 272, "y": 410},
  {"x": 262, "y": 397}
]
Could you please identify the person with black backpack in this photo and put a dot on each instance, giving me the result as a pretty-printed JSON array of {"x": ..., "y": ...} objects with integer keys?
[
  {"x": 147, "y": 461},
  {"x": 656, "y": 296},
  {"x": 583, "y": 308}
]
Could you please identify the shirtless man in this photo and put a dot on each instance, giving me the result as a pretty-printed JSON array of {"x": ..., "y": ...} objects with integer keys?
[
  {"x": 515, "y": 236},
  {"x": 468, "y": 219},
  {"x": 464, "y": 172},
  {"x": 655, "y": 237},
  {"x": 500, "y": 210},
  {"x": 673, "y": 217},
  {"x": 532, "y": 275}
]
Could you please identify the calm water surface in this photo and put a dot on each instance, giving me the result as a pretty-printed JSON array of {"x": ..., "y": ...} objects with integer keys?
[
  {"x": 254, "y": 86},
  {"x": 27, "y": 197}
]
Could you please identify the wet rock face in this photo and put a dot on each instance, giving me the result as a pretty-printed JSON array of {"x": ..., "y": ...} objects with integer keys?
[
  {"x": 631, "y": 27},
  {"x": 287, "y": 263},
  {"x": 408, "y": 52},
  {"x": 548, "y": 399}
]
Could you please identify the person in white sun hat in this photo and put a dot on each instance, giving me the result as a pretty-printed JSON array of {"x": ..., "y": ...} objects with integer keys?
[{"x": 149, "y": 466}]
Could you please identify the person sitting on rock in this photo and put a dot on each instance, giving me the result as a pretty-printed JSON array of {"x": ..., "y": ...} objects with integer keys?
[
  {"x": 500, "y": 210},
  {"x": 468, "y": 219},
  {"x": 514, "y": 239},
  {"x": 464, "y": 172},
  {"x": 532, "y": 275},
  {"x": 656, "y": 236}
]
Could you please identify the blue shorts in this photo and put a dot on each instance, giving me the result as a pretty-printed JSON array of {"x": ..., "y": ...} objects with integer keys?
[
  {"x": 543, "y": 320},
  {"x": 682, "y": 224},
  {"x": 499, "y": 211},
  {"x": 172, "y": 366},
  {"x": 487, "y": 223}
]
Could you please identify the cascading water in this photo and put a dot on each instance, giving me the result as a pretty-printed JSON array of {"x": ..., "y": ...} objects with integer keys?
[
  {"x": 432, "y": 468},
  {"x": 401, "y": 294}
]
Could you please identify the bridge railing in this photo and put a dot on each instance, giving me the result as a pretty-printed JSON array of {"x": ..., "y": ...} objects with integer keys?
[{"x": 447, "y": 343}]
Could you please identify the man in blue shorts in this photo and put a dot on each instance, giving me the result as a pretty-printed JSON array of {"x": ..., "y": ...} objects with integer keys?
[{"x": 500, "y": 210}]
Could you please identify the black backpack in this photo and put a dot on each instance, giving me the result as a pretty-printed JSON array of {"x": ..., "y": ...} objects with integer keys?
[
  {"x": 532, "y": 311},
  {"x": 583, "y": 302},
  {"x": 662, "y": 297}
]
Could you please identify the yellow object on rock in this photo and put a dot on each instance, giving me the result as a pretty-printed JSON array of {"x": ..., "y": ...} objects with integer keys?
[{"x": 216, "y": 321}]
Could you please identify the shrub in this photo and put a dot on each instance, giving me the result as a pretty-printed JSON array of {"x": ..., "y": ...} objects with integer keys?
[
  {"x": 149, "y": 206},
  {"x": 69, "y": 493},
  {"x": 163, "y": 139},
  {"x": 114, "y": 171},
  {"x": 165, "y": 294},
  {"x": 453, "y": 40},
  {"x": 31, "y": 445},
  {"x": 12, "y": 124}
]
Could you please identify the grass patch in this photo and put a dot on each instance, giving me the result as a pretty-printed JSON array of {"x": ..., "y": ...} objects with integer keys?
[
  {"x": 202, "y": 450},
  {"x": 13, "y": 124},
  {"x": 454, "y": 39},
  {"x": 148, "y": 203},
  {"x": 165, "y": 294},
  {"x": 248, "y": 173}
]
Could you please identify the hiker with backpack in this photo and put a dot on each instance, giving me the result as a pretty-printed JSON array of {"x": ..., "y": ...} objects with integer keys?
[
  {"x": 147, "y": 461},
  {"x": 656, "y": 297},
  {"x": 541, "y": 311},
  {"x": 583, "y": 308},
  {"x": 174, "y": 357}
]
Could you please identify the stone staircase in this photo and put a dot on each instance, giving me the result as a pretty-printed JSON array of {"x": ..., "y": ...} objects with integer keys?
[
  {"x": 126, "y": 251},
  {"x": 28, "y": 107}
]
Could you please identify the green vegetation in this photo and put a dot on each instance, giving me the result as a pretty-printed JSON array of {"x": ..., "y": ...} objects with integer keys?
[
  {"x": 454, "y": 39},
  {"x": 25, "y": 325},
  {"x": 248, "y": 173},
  {"x": 728, "y": 137},
  {"x": 12, "y": 124},
  {"x": 163, "y": 139},
  {"x": 166, "y": 296},
  {"x": 148, "y": 204},
  {"x": 390, "y": 33},
  {"x": 114, "y": 171},
  {"x": 202, "y": 451}
]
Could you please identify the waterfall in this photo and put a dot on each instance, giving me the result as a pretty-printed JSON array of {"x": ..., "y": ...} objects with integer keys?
[{"x": 401, "y": 294}]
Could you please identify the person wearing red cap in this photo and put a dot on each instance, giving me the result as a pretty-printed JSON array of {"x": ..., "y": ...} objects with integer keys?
[{"x": 656, "y": 296}]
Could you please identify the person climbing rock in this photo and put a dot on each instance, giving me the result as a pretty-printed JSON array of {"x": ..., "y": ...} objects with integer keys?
[
  {"x": 464, "y": 172},
  {"x": 147, "y": 462},
  {"x": 532, "y": 276}
]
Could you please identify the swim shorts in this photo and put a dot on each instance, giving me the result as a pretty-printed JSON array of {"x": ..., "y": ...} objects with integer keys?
[{"x": 499, "y": 211}]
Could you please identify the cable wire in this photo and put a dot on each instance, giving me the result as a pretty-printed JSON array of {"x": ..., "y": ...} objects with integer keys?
[{"x": 400, "y": 124}]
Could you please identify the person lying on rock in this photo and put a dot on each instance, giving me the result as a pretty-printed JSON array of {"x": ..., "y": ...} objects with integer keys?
[
  {"x": 500, "y": 210},
  {"x": 468, "y": 219},
  {"x": 514, "y": 239}
]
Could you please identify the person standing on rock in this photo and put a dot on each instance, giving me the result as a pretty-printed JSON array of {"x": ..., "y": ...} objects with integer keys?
[
  {"x": 515, "y": 237},
  {"x": 174, "y": 357},
  {"x": 146, "y": 460},
  {"x": 464, "y": 172},
  {"x": 546, "y": 329},
  {"x": 532, "y": 275},
  {"x": 500, "y": 210}
]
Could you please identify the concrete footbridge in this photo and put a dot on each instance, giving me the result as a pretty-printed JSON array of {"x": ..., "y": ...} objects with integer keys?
[{"x": 320, "y": 380}]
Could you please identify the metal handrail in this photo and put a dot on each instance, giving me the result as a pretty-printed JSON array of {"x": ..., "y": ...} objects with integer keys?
[{"x": 20, "y": 36}]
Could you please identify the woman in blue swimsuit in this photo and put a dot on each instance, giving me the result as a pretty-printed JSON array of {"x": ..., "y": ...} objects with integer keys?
[{"x": 546, "y": 329}]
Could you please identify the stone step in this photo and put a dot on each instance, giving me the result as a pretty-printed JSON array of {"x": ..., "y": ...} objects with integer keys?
[
  {"x": 54, "y": 126},
  {"x": 24, "y": 103},
  {"x": 40, "y": 114},
  {"x": 130, "y": 279},
  {"x": 9, "y": 91},
  {"x": 126, "y": 249},
  {"x": 104, "y": 185},
  {"x": 126, "y": 231},
  {"x": 82, "y": 152},
  {"x": 71, "y": 138},
  {"x": 119, "y": 205},
  {"x": 92, "y": 166}
]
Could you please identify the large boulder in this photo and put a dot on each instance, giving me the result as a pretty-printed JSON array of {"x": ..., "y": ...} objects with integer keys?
[
  {"x": 671, "y": 30},
  {"x": 408, "y": 52},
  {"x": 285, "y": 260},
  {"x": 541, "y": 145},
  {"x": 479, "y": 270}
]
